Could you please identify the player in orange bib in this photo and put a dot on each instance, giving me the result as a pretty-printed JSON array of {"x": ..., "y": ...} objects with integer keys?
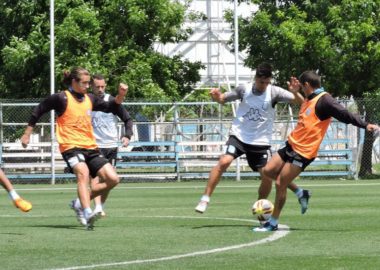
[
  {"x": 303, "y": 142},
  {"x": 76, "y": 138}
]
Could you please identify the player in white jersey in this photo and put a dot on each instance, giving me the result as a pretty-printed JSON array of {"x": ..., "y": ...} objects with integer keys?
[
  {"x": 106, "y": 133},
  {"x": 251, "y": 131}
]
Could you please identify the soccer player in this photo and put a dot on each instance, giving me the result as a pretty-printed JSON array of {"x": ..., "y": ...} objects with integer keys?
[
  {"x": 106, "y": 134},
  {"x": 251, "y": 131},
  {"x": 76, "y": 138},
  {"x": 19, "y": 202},
  {"x": 304, "y": 141}
]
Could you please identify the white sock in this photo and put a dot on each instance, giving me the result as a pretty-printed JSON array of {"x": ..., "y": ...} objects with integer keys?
[
  {"x": 205, "y": 198},
  {"x": 87, "y": 212},
  {"x": 98, "y": 208},
  {"x": 273, "y": 221},
  {"x": 13, "y": 195},
  {"x": 299, "y": 192},
  {"x": 77, "y": 203}
]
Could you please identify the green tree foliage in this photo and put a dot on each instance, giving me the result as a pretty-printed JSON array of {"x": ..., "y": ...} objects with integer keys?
[
  {"x": 113, "y": 37},
  {"x": 340, "y": 39}
]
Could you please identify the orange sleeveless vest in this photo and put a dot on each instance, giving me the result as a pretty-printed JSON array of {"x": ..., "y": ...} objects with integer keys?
[
  {"x": 306, "y": 138},
  {"x": 74, "y": 128}
]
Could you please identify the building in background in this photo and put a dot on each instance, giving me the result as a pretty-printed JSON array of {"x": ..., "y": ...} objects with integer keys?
[{"x": 210, "y": 44}]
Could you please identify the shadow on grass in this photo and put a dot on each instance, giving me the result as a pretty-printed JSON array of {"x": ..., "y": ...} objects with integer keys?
[{"x": 69, "y": 227}]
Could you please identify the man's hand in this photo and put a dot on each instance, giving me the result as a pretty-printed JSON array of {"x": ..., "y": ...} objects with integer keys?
[
  {"x": 123, "y": 89},
  {"x": 25, "y": 139},
  {"x": 372, "y": 127},
  {"x": 294, "y": 85},
  {"x": 216, "y": 95}
]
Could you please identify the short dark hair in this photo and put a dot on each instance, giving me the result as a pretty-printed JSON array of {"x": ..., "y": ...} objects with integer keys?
[
  {"x": 264, "y": 70},
  {"x": 311, "y": 77},
  {"x": 97, "y": 76}
]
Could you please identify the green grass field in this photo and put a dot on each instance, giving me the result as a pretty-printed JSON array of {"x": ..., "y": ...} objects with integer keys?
[{"x": 154, "y": 226}]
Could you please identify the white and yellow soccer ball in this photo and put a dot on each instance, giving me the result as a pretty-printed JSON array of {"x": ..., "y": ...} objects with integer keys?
[{"x": 263, "y": 210}]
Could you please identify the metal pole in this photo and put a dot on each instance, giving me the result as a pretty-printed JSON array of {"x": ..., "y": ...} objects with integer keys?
[
  {"x": 52, "y": 90},
  {"x": 236, "y": 41}
]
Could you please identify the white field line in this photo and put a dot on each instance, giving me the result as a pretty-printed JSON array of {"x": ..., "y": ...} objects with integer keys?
[
  {"x": 124, "y": 186},
  {"x": 283, "y": 231}
]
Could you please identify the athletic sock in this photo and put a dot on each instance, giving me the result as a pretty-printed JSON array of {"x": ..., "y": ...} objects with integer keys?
[
  {"x": 298, "y": 192},
  {"x": 98, "y": 208},
  {"x": 13, "y": 195},
  {"x": 87, "y": 212},
  {"x": 205, "y": 198},
  {"x": 273, "y": 221}
]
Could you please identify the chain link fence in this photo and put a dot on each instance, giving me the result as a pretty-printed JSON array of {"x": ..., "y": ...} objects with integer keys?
[{"x": 199, "y": 131}]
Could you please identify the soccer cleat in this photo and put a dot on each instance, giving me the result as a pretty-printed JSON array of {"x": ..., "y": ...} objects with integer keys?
[
  {"x": 201, "y": 207},
  {"x": 103, "y": 214},
  {"x": 304, "y": 200},
  {"x": 91, "y": 220},
  {"x": 79, "y": 213},
  {"x": 23, "y": 205},
  {"x": 267, "y": 227}
]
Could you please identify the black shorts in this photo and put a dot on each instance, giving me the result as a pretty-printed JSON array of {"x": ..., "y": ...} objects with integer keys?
[
  {"x": 92, "y": 157},
  {"x": 110, "y": 154},
  {"x": 257, "y": 155},
  {"x": 288, "y": 155}
]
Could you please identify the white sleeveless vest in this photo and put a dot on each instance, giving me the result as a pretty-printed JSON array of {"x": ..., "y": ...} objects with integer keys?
[
  {"x": 105, "y": 128},
  {"x": 254, "y": 119}
]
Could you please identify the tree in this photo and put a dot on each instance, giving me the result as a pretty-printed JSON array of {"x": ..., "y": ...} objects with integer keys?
[
  {"x": 340, "y": 39},
  {"x": 113, "y": 37}
]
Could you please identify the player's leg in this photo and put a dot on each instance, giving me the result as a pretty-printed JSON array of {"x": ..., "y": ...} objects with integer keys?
[
  {"x": 111, "y": 155},
  {"x": 303, "y": 196},
  {"x": 109, "y": 180},
  {"x": 98, "y": 204},
  {"x": 271, "y": 171},
  {"x": 234, "y": 149},
  {"x": 213, "y": 180},
  {"x": 288, "y": 173},
  {"x": 19, "y": 202},
  {"x": 265, "y": 185},
  {"x": 265, "y": 188},
  {"x": 257, "y": 161},
  {"x": 82, "y": 174},
  {"x": 76, "y": 162},
  {"x": 285, "y": 166},
  {"x": 100, "y": 167}
]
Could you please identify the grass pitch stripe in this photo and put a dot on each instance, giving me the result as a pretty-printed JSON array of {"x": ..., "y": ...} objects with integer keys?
[{"x": 282, "y": 232}]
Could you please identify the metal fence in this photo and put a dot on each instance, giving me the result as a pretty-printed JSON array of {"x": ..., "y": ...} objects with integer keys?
[{"x": 198, "y": 131}]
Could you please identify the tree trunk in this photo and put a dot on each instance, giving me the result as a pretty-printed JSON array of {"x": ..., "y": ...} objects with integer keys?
[
  {"x": 366, "y": 154},
  {"x": 366, "y": 161}
]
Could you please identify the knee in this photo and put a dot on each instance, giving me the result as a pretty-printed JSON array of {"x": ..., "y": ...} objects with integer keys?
[
  {"x": 280, "y": 187},
  {"x": 114, "y": 180},
  {"x": 223, "y": 166},
  {"x": 267, "y": 173}
]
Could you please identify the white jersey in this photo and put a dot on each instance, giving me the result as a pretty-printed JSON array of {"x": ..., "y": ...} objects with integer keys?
[
  {"x": 255, "y": 115},
  {"x": 105, "y": 128}
]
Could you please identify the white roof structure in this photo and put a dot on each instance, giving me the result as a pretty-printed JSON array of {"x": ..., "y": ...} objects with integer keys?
[{"x": 209, "y": 44}]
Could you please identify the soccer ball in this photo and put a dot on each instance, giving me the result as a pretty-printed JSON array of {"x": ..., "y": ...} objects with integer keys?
[{"x": 263, "y": 209}]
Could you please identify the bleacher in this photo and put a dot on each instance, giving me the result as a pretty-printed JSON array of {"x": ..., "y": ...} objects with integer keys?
[{"x": 169, "y": 160}]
